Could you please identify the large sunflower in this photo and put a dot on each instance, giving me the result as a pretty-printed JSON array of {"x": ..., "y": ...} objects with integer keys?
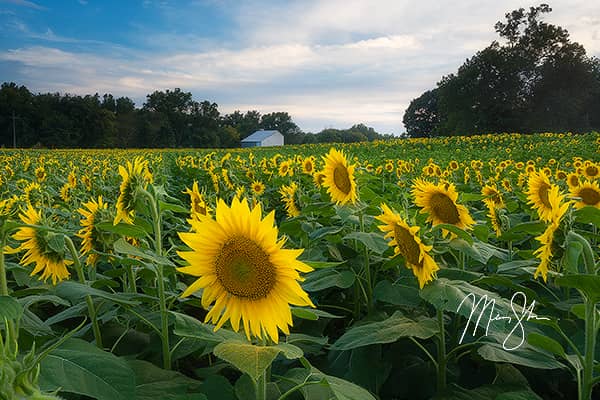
[
  {"x": 136, "y": 175},
  {"x": 406, "y": 241},
  {"x": 244, "y": 270},
  {"x": 544, "y": 252},
  {"x": 588, "y": 192},
  {"x": 439, "y": 201},
  {"x": 48, "y": 262},
  {"x": 339, "y": 177},
  {"x": 88, "y": 233}
]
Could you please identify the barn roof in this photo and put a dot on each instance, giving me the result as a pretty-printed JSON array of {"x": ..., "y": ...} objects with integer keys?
[{"x": 259, "y": 136}]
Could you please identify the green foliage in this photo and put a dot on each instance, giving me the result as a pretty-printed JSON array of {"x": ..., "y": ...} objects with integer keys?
[{"x": 533, "y": 80}]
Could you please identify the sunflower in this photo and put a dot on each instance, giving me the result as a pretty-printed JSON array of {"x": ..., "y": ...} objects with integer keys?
[
  {"x": 285, "y": 169},
  {"x": 288, "y": 196},
  {"x": 65, "y": 192},
  {"x": 136, "y": 175},
  {"x": 318, "y": 178},
  {"x": 406, "y": 242},
  {"x": 308, "y": 165},
  {"x": 492, "y": 195},
  {"x": 88, "y": 232},
  {"x": 439, "y": 201},
  {"x": 48, "y": 261},
  {"x": 40, "y": 173},
  {"x": 573, "y": 180},
  {"x": 493, "y": 201},
  {"x": 339, "y": 177},
  {"x": 198, "y": 205},
  {"x": 538, "y": 195},
  {"x": 591, "y": 170},
  {"x": 258, "y": 188},
  {"x": 589, "y": 192},
  {"x": 544, "y": 253},
  {"x": 72, "y": 179},
  {"x": 244, "y": 270}
]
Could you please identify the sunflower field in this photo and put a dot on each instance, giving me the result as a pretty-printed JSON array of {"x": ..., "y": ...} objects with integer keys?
[{"x": 446, "y": 268}]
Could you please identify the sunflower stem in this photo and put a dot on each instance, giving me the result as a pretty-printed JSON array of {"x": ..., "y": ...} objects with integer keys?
[
  {"x": 367, "y": 267},
  {"x": 3, "y": 281},
  {"x": 590, "y": 347},
  {"x": 442, "y": 359},
  {"x": 88, "y": 298},
  {"x": 131, "y": 278},
  {"x": 164, "y": 313}
]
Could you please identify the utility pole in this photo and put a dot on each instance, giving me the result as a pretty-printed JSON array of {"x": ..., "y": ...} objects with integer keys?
[
  {"x": 14, "y": 119},
  {"x": 14, "y": 131}
]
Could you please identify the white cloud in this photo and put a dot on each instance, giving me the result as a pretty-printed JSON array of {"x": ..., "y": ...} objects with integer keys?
[{"x": 327, "y": 63}]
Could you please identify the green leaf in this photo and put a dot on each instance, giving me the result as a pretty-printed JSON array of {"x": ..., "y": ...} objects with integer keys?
[
  {"x": 373, "y": 241},
  {"x": 396, "y": 294},
  {"x": 587, "y": 215},
  {"x": 163, "y": 206},
  {"x": 324, "y": 231},
  {"x": 456, "y": 230},
  {"x": 312, "y": 314},
  {"x": 386, "y": 331},
  {"x": 522, "y": 356},
  {"x": 326, "y": 278},
  {"x": 322, "y": 264},
  {"x": 154, "y": 383},
  {"x": 80, "y": 367},
  {"x": 588, "y": 284},
  {"x": 245, "y": 388},
  {"x": 571, "y": 257},
  {"x": 74, "y": 291},
  {"x": 523, "y": 229},
  {"x": 122, "y": 229},
  {"x": 250, "y": 359},
  {"x": 121, "y": 246},
  {"x": 517, "y": 265},
  {"x": 342, "y": 389},
  {"x": 187, "y": 326},
  {"x": 10, "y": 309},
  {"x": 56, "y": 241},
  {"x": 546, "y": 343}
]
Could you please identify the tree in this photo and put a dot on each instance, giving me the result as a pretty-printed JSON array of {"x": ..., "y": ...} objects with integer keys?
[
  {"x": 533, "y": 79},
  {"x": 421, "y": 118},
  {"x": 175, "y": 107}
]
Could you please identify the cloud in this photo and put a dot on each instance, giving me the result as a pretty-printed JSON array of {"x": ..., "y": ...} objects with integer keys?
[
  {"x": 25, "y": 3},
  {"x": 331, "y": 63}
]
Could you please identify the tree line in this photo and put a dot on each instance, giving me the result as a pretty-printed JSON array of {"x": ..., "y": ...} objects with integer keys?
[
  {"x": 170, "y": 118},
  {"x": 535, "y": 79}
]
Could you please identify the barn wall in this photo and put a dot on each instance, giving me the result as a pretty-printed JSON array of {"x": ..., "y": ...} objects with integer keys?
[{"x": 273, "y": 140}]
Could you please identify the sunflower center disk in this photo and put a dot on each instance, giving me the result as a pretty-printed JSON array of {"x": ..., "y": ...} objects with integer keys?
[
  {"x": 591, "y": 171},
  {"x": 444, "y": 208},
  {"x": 341, "y": 179},
  {"x": 589, "y": 196},
  {"x": 543, "y": 193},
  {"x": 244, "y": 269},
  {"x": 407, "y": 245}
]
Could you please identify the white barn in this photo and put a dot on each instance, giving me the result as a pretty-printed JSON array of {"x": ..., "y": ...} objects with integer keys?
[{"x": 263, "y": 138}]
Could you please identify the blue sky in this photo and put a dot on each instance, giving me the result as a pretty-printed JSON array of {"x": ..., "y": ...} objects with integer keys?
[{"x": 328, "y": 63}]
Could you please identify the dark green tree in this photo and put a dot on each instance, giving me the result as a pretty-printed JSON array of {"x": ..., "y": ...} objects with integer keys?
[{"x": 533, "y": 79}]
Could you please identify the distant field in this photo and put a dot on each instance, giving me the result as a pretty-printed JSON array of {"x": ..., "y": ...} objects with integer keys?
[{"x": 434, "y": 221}]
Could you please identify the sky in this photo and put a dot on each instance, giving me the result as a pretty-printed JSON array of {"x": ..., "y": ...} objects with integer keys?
[{"x": 329, "y": 64}]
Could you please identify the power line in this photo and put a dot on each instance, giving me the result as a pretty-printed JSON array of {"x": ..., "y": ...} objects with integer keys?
[{"x": 14, "y": 118}]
